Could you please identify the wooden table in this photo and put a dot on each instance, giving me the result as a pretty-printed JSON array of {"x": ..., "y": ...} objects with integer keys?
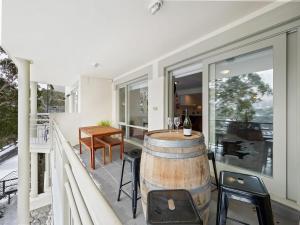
[{"x": 95, "y": 132}]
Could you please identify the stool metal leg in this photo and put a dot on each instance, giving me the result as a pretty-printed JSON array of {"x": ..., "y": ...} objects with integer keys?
[
  {"x": 264, "y": 212},
  {"x": 215, "y": 169},
  {"x": 121, "y": 180},
  {"x": 222, "y": 208},
  {"x": 134, "y": 187}
]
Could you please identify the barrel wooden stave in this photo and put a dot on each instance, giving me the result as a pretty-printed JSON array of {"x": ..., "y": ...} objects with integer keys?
[{"x": 176, "y": 168}]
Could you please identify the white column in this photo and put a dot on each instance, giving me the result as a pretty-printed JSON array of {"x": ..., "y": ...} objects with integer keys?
[
  {"x": 34, "y": 175},
  {"x": 23, "y": 141},
  {"x": 33, "y": 108},
  {"x": 47, "y": 173},
  {"x": 33, "y": 98},
  {"x": 71, "y": 105}
]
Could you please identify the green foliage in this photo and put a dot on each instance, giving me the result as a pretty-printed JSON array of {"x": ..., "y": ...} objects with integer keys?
[
  {"x": 8, "y": 100},
  {"x": 48, "y": 98},
  {"x": 236, "y": 96},
  {"x": 104, "y": 123}
]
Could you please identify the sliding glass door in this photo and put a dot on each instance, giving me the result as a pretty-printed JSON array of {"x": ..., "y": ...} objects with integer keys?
[
  {"x": 245, "y": 95},
  {"x": 241, "y": 111},
  {"x": 133, "y": 110},
  {"x": 185, "y": 92}
]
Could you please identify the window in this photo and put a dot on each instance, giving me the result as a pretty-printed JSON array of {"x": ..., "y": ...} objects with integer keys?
[
  {"x": 241, "y": 111},
  {"x": 133, "y": 110},
  {"x": 122, "y": 104}
]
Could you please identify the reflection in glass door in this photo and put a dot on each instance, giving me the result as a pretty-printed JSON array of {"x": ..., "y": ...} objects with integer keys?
[
  {"x": 241, "y": 111},
  {"x": 133, "y": 110}
]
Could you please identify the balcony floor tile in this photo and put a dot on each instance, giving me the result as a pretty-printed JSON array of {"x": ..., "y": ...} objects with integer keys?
[{"x": 108, "y": 177}]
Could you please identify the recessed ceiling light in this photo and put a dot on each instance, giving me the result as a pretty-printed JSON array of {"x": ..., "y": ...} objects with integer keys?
[
  {"x": 95, "y": 64},
  {"x": 155, "y": 6},
  {"x": 224, "y": 72}
]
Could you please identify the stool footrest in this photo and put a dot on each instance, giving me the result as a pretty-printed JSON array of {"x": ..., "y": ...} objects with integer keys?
[
  {"x": 128, "y": 195},
  {"x": 126, "y": 183}
]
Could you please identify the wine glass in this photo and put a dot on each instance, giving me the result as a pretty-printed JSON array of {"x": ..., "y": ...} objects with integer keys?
[
  {"x": 177, "y": 122},
  {"x": 170, "y": 123}
]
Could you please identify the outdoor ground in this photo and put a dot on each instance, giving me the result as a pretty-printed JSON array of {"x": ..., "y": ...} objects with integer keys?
[
  {"x": 108, "y": 177},
  {"x": 8, "y": 166}
]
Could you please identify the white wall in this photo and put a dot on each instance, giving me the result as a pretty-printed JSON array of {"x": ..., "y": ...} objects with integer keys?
[
  {"x": 156, "y": 100},
  {"x": 95, "y": 104},
  {"x": 95, "y": 100},
  {"x": 69, "y": 124}
]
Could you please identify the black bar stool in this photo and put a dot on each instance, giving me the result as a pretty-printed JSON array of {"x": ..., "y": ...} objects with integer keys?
[
  {"x": 171, "y": 207},
  {"x": 134, "y": 158},
  {"x": 245, "y": 188},
  {"x": 211, "y": 156}
]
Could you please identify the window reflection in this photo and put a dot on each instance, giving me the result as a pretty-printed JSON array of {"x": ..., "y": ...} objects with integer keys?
[
  {"x": 122, "y": 104},
  {"x": 138, "y": 104},
  {"x": 241, "y": 111}
]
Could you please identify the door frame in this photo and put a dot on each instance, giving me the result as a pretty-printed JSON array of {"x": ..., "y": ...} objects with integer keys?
[
  {"x": 277, "y": 184},
  {"x": 187, "y": 68}
]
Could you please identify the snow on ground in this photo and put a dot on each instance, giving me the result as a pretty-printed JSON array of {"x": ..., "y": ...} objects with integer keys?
[
  {"x": 39, "y": 216},
  {"x": 8, "y": 166},
  {"x": 10, "y": 215},
  {"x": 7, "y": 149}
]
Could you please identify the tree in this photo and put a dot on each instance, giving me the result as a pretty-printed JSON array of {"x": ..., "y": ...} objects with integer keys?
[
  {"x": 235, "y": 96},
  {"x": 8, "y": 100},
  {"x": 49, "y": 98}
]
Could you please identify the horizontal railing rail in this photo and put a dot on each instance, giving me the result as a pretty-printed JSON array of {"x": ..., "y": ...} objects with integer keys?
[
  {"x": 39, "y": 128},
  {"x": 8, "y": 184},
  {"x": 84, "y": 196}
]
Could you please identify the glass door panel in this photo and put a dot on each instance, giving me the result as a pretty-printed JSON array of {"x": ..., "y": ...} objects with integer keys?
[
  {"x": 241, "y": 111},
  {"x": 244, "y": 117},
  {"x": 138, "y": 104},
  {"x": 122, "y": 104},
  {"x": 133, "y": 110}
]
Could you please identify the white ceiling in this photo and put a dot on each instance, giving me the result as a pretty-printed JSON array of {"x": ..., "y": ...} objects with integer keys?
[{"x": 65, "y": 37}]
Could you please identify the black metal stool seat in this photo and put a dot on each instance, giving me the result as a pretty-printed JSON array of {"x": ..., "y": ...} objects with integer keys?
[
  {"x": 134, "y": 158},
  {"x": 171, "y": 207},
  {"x": 245, "y": 188},
  {"x": 211, "y": 156}
]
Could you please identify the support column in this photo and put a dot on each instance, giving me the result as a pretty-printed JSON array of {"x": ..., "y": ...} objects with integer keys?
[
  {"x": 23, "y": 141},
  {"x": 34, "y": 174},
  {"x": 47, "y": 172},
  {"x": 71, "y": 105},
  {"x": 33, "y": 108}
]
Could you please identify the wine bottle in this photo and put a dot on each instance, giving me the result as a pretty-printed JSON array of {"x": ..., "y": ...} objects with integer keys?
[{"x": 187, "y": 124}]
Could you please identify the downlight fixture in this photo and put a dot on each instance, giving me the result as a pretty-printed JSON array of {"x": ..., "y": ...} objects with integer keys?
[
  {"x": 155, "y": 6},
  {"x": 224, "y": 72},
  {"x": 95, "y": 64}
]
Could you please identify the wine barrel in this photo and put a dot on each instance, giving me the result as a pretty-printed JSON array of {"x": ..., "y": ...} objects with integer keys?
[{"x": 171, "y": 160}]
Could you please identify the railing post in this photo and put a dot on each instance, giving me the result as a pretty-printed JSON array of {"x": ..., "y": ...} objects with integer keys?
[
  {"x": 60, "y": 177},
  {"x": 34, "y": 174},
  {"x": 47, "y": 173},
  {"x": 3, "y": 187},
  {"x": 33, "y": 108}
]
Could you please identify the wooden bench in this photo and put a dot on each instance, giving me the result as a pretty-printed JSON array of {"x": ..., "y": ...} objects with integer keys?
[
  {"x": 87, "y": 142},
  {"x": 110, "y": 142}
]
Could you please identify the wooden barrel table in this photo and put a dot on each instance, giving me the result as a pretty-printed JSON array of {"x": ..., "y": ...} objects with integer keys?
[{"x": 172, "y": 161}]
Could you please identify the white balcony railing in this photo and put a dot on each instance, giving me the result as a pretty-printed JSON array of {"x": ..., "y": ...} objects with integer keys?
[
  {"x": 39, "y": 129},
  {"x": 73, "y": 189}
]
